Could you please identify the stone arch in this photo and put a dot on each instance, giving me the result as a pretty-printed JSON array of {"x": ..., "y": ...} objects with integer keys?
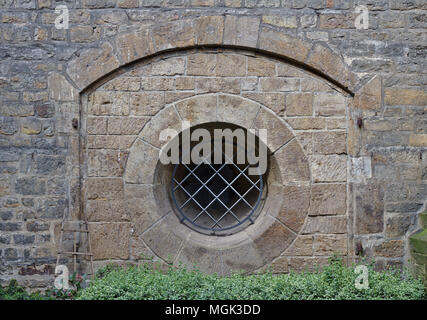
[{"x": 245, "y": 32}]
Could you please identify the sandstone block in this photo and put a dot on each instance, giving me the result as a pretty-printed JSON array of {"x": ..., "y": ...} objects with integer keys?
[
  {"x": 201, "y": 64},
  {"x": 330, "y": 244},
  {"x": 141, "y": 163},
  {"x": 126, "y": 125},
  {"x": 91, "y": 65},
  {"x": 330, "y": 142},
  {"x": 283, "y": 44},
  {"x": 236, "y": 110},
  {"x": 293, "y": 163},
  {"x": 177, "y": 34},
  {"x": 296, "y": 201},
  {"x": 299, "y": 104},
  {"x": 162, "y": 241},
  {"x": 278, "y": 133},
  {"x": 104, "y": 103},
  {"x": 241, "y": 31},
  {"x": 328, "y": 168},
  {"x": 326, "y": 225},
  {"x": 209, "y": 30},
  {"x": 197, "y": 110},
  {"x": 260, "y": 66},
  {"x": 146, "y": 103},
  {"x": 328, "y": 199},
  {"x": 60, "y": 88},
  {"x": 302, "y": 246},
  {"x": 110, "y": 240},
  {"x": 231, "y": 65},
  {"x": 369, "y": 209},
  {"x": 104, "y": 188},
  {"x": 329, "y": 104},
  {"x": 273, "y": 101}
]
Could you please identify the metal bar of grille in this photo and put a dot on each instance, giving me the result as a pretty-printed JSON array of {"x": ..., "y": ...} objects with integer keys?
[{"x": 176, "y": 186}]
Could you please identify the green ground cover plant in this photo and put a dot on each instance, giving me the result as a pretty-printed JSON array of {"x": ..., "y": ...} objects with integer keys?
[{"x": 335, "y": 281}]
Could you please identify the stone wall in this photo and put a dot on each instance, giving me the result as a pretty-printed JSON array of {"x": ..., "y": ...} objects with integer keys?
[{"x": 44, "y": 71}]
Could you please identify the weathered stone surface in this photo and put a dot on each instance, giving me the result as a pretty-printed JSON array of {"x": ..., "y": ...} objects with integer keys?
[
  {"x": 399, "y": 224},
  {"x": 328, "y": 199},
  {"x": 205, "y": 258},
  {"x": 296, "y": 202},
  {"x": 327, "y": 225},
  {"x": 302, "y": 246},
  {"x": 162, "y": 241},
  {"x": 390, "y": 249},
  {"x": 418, "y": 140},
  {"x": 230, "y": 65},
  {"x": 307, "y": 264},
  {"x": 260, "y": 66},
  {"x": 197, "y": 110},
  {"x": 141, "y": 163},
  {"x": 273, "y": 101},
  {"x": 91, "y": 65},
  {"x": 234, "y": 109},
  {"x": 293, "y": 163},
  {"x": 209, "y": 30},
  {"x": 276, "y": 237},
  {"x": 106, "y": 163},
  {"x": 106, "y": 211},
  {"x": 328, "y": 168},
  {"x": 370, "y": 96},
  {"x": 283, "y": 44},
  {"x": 278, "y": 133},
  {"x": 325, "y": 60},
  {"x": 369, "y": 209},
  {"x": 281, "y": 21},
  {"x": 146, "y": 103},
  {"x": 142, "y": 207},
  {"x": 61, "y": 89},
  {"x": 96, "y": 125},
  {"x": 399, "y": 96},
  {"x": 134, "y": 45},
  {"x": 334, "y": 142},
  {"x": 126, "y": 125},
  {"x": 105, "y": 103},
  {"x": 166, "y": 119},
  {"x": 31, "y": 126},
  {"x": 241, "y": 31},
  {"x": 104, "y": 188},
  {"x": 306, "y": 123},
  {"x": 225, "y": 85},
  {"x": 201, "y": 64},
  {"x": 123, "y": 84},
  {"x": 110, "y": 240},
  {"x": 329, "y": 104},
  {"x": 299, "y": 104},
  {"x": 178, "y": 34},
  {"x": 330, "y": 244},
  {"x": 279, "y": 84},
  {"x": 169, "y": 67}
]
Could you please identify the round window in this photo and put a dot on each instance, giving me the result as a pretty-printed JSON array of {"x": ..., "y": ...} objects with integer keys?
[{"x": 217, "y": 194}]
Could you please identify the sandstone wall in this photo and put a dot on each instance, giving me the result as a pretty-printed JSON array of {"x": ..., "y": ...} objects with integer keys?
[{"x": 44, "y": 71}]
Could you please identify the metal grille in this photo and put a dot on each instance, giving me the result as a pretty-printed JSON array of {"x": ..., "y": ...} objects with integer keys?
[{"x": 214, "y": 198}]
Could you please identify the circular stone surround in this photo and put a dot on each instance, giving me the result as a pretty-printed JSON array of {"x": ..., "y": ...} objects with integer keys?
[
  {"x": 217, "y": 198},
  {"x": 285, "y": 198}
]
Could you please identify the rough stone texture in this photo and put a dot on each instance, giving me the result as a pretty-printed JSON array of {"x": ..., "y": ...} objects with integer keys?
[{"x": 43, "y": 68}]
